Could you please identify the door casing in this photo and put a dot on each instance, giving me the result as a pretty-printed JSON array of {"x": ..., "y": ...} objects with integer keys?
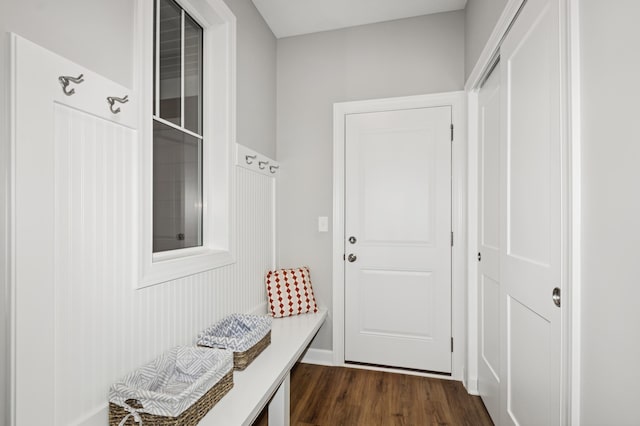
[
  {"x": 488, "y": 186},
  {"x": 458, "y": 214}
]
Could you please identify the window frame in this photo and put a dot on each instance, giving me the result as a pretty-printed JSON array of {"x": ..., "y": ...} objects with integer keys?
[{"x": 218, "y": 131}]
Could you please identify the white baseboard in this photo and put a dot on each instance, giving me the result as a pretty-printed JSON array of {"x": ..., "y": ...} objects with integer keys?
[
  {"x": 472, "y": 387},
  {"x": 318, "y": 357}
]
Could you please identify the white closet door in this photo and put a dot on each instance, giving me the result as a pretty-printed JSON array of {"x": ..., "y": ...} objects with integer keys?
[
  {"x": 489, "y": 244},
  {"x": 51, "y": 129},
  {"x": 530, "y": 262}
]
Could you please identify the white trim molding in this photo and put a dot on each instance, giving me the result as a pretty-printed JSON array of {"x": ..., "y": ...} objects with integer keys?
[
  {"x": 219, "y": 77},
  {"x": 318, "y": 357},
  {"x": 573, "y": 328},
  {"x": 490, "y": 50},
  {"x": 471, "y": 373},
  {"x": 7, "y": 237},
  {"x": 458, "y": 213}
]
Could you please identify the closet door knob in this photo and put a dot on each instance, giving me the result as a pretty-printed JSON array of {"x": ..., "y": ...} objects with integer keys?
[
  {"x": 555, "y": 296},
  {"x": 352, "y": 257}
]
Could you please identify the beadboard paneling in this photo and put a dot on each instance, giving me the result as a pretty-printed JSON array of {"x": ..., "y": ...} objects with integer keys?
[{"x": 104, "y": 327}]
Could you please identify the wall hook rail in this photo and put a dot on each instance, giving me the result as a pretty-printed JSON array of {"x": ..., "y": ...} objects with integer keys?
[
  {"x": 112, "y": 100},
  {"x": 66, "y": 79},
  {"x": 256, "y": 162}
]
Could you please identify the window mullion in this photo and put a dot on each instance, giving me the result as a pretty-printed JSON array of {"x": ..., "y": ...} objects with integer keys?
[
  {"x": 182, "y": 78},
  {"x": 156, "y": 64},
  {"x": 175, "y": 126}
]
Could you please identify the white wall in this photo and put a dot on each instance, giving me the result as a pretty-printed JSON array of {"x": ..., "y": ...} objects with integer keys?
[
  {"x": 98, "y": 34},
  {"x": 480, "y": 18},
  {"x": 610, "y": 67},
  {"x": 405, "y": 57}
]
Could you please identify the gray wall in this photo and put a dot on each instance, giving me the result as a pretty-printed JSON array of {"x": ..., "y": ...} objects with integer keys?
[
  {"x": 405, "y": 57},
  {"x": 480, "y": 18},
  {"x": 98, "y": 34},
  {"x": 610, "y": 350},
  {"x": 256, "y": 79}
]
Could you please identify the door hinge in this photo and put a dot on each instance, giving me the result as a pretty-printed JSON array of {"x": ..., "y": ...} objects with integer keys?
[
  {"x": 452, "y": 345},
  {"x": 451, "y": 238},
  {"x": 451, "y": 132}
]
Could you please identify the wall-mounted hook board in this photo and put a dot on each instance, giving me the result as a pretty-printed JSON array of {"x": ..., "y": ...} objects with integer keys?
[
  {"x": 74, "y": 86},
  {"x": 256, "y": 162}
]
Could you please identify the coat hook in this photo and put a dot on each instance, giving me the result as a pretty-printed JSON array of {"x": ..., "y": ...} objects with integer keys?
[
  {"x": 249, "y": 158},
  {"x": 65, "y": 80},
  {"x": 112, "y": 100},
  {"x": 261, "y": 164},
  {"x": 273, "y": 169}
]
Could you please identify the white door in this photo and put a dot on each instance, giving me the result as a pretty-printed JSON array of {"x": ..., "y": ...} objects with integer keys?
[
  {"x": 398, "y": 238},
  {"x": 489, "y": 244},
  {"x": 530, "y": 262}
]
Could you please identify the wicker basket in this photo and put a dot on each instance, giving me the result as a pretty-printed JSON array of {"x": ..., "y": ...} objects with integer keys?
[
  {"x": 178, "y": 388},
  {"x": 242, "y": 359},
  {"x": 246, "y": 335},
  {"x": 191, "y": 416}
]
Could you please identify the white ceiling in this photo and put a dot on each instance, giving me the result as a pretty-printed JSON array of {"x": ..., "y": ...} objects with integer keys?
[{"x": 294, "y": 17}]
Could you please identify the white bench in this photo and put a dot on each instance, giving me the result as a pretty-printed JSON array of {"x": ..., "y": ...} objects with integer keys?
[{"x": 266, "y": 380}]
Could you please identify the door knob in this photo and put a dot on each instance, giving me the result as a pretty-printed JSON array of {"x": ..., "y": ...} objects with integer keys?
[
  {"x": 352, "y": 257},
  {"x": 555, "y": 296}
]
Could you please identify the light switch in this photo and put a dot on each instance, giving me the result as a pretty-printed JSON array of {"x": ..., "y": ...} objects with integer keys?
[{"x": 323, "y": 224}]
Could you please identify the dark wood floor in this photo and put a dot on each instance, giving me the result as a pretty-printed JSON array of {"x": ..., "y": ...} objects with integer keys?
[{"x": 335, "y": 396}]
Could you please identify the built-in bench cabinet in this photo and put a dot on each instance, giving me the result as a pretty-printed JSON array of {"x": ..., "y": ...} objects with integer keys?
[{"x": 266, "y": 380}]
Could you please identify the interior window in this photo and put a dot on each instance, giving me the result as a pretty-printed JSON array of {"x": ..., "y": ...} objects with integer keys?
[
  {"x": 177, "y": 129},
  {"x": 187, "y": 185}
]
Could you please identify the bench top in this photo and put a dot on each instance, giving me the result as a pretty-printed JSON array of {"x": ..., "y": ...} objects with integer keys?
[{"x": 254, "y": 387}]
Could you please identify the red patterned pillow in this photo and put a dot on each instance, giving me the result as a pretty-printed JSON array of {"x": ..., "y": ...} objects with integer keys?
[{"x": 290, "y": 292}]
